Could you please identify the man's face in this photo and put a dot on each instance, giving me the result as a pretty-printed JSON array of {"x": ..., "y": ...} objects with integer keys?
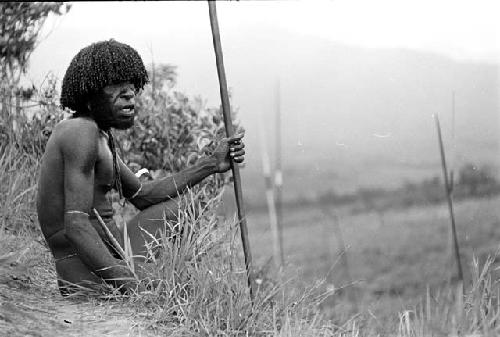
[{"x": 116, "y": 108}]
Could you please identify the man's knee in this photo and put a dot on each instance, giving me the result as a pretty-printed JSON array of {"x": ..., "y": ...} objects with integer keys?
[{"x": 151, "y": 223}]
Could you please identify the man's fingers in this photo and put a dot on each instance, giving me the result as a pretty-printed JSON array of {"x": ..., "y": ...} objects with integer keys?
[
  {"x": 236, "y": 137},
  {"x": 236, "y": 147},
  {"x": 237, "y": 153}
]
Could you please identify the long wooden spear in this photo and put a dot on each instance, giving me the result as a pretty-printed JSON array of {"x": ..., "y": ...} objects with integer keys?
[{"x": 226, "y": 110}]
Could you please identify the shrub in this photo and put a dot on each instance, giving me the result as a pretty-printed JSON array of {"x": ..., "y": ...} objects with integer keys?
[
  {"x": 30, "y": 123},
  {"x": 172, "y": 131},
  {"x": 19, "y": 31}
]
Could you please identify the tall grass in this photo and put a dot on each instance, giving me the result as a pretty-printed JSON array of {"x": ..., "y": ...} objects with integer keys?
[
  {"x": 196, "y": 282},
  {"x": 443, "y": 314},
  {"x": 18, "y": 176}
]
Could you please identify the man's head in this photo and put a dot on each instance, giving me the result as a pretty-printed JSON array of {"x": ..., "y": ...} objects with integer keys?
[{"x": 101, "y": 82}]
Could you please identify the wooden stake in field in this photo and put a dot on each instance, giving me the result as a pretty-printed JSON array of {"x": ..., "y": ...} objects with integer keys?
[
  {"x": 342, "y": 248},
  {"x": 278, "y": 175},
  {"x": 270, "y": 197},
  {"x": 226, "y": 110},
  {"x": 448, "y": 191},
  {"x": 453, "y": 144}
]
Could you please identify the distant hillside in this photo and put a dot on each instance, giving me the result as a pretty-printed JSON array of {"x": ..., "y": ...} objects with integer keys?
[
  {"x": 351, "y": 116},
  {"x": 361, "y": 117}
]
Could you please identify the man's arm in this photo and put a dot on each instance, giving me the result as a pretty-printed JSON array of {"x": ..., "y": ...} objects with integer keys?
[
  {"x": 160, "y": 190},
  {"x": 80, "y": 155}
]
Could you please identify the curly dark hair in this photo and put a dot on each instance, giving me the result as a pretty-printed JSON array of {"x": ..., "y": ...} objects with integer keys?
[{"x": 96, "y": 66}]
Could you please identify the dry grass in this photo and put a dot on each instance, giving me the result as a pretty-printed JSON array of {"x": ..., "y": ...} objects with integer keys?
[
  {"x": 17, "y": 190},
  {"x": 197, "y": 285}
]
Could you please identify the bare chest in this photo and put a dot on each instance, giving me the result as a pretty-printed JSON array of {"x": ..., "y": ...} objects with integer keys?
[{"x": 104, "y": 172}]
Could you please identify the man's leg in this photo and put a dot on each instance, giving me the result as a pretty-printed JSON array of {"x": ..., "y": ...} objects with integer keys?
[
  {"x": 153, "y": 220},
  {"x": 74, "y": 276}
]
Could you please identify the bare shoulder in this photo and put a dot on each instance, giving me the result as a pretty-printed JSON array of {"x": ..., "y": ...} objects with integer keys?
[
  {"x": 77, "y": 126},
  {"x": 77, "y": 136}
]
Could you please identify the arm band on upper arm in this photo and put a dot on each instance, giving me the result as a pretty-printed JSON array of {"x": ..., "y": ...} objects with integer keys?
[
  {"x": 136, "y": 193},
  {"x": 76, "y": 212}
]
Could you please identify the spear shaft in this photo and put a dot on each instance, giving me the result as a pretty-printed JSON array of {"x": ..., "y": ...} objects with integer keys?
[{"x": 226, "y": 110}]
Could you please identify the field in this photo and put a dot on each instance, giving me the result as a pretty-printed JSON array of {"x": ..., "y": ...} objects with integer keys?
[
  {"x": 392, "y": 257},
  {"x": 399, "y": 263}
]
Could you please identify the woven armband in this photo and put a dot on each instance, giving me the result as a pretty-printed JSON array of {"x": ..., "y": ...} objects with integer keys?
[{"x": 76, "y": 212}]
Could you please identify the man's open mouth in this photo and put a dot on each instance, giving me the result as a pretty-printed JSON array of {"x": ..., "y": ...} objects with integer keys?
[{"x": 128, "y": 110}]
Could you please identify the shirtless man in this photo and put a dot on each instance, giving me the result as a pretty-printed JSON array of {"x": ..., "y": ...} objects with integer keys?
[{"x": 80, "y": 167}]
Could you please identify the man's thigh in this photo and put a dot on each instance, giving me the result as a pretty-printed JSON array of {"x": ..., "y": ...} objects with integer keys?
[{"x": 150, "y": 222}]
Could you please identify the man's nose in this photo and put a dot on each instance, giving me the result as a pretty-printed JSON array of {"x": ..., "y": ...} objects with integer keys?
[{"x": 129, "y": 95}]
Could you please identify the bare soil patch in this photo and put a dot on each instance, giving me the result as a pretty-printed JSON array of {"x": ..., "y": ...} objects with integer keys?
[{"x": 31, "y": 305}]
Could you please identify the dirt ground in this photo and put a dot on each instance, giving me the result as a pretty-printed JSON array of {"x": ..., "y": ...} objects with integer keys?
[{"x": 30, "y": 303}]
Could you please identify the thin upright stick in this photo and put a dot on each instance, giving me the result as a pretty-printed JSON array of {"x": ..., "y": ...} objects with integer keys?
[
  {"x": 270, "y": 197},
  {"x": 450, "y": 201},
  {"x": 226, "y": 110},
  {"x": 110, "y": 235},
  {"x": 343, "y": 254},
  {"x": 453, "y": 144},
  {"x": 278, "y": 178}
]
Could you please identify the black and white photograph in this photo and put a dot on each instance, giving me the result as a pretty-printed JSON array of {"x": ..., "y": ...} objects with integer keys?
[{"x": 250, "y": 168}]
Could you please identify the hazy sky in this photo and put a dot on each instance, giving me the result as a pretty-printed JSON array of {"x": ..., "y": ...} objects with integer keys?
[
  {"x": 179, "y": 33},
  {"x": 457, "y": 28}
]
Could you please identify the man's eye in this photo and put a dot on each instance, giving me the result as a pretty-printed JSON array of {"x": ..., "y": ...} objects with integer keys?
[{"x": 127, "y": 92}]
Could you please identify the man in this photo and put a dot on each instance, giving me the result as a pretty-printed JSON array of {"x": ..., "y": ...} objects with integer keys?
[{"x": 80, "y": 167}]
